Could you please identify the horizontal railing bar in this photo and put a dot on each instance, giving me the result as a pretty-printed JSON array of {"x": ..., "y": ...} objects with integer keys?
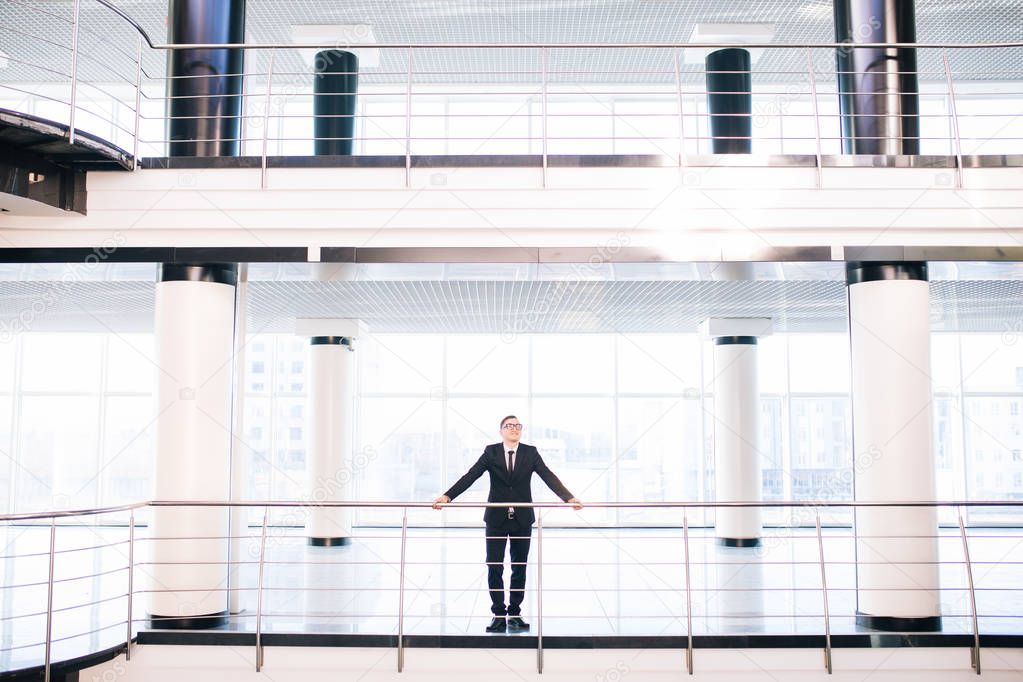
[
  {"x": 584, "y": 46},
  {"x": 90, "y": 632},
  {"x": 92, "y": 603},
  {"x": 121, "y": 78},
  {"x": 60, "y": 639},
  {"x": 667, "y": 96},
  {"x": 15, "y": 60},
  {"x": 637, "y": 562},
  {"x": 8, "y": 86},
  {"x": 35, "y": 37},
  {"x": 36, "y": 8},
  {"x": 595, "y": 616},
  {"x": 372, "y": 72},
  {"x": 535, "y": 505},
  {"x": 91, "y": 575},
  {"x": 195, "y": 589},
  {"x": 80, "y": 549},
  {"x": 73, "y": 512},
  {"x": 111, "y": 96},
  {"x": 597, "y": 115},
  {"x": 552, "y": 138},
  {"x": 209, "y": 537},
  {"x": 679, "y": 590}
]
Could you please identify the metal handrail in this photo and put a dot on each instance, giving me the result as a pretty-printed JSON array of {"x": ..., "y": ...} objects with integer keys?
[
  {"x": 548, "y": 76},
  {"x": 579, "y": 46},
  {"x": 688, "y": 588},
  {"x": 682, "y": 504}
]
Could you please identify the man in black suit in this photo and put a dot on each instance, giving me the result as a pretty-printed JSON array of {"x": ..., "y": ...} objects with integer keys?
[{"x": 511, "y": 465}]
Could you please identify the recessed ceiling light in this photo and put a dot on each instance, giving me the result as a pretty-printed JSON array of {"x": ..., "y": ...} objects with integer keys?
[{"x": 727, "y": 33}]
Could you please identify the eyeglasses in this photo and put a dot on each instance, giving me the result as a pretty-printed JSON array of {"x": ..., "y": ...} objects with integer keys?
[{"x": 517, "y": 427}]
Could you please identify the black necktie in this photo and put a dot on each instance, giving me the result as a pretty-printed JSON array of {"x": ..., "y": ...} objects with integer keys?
[{"x": 510, "y": 453}]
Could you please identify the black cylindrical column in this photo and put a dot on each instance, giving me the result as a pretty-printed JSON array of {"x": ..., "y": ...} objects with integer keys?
[
  {"x": 877, "y": 87},
  {"x": 205, "y": 85},
  {"x": 334, "y": 88},
  {"x": 730, "y": 101}
]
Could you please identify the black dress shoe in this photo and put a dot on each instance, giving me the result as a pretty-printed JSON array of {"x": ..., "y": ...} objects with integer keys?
[
  {"x": 499, "y": 624},
  {"x": 516, "y": 624}
]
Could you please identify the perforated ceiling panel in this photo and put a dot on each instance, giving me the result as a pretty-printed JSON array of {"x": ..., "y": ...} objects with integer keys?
[
  {"x": 108, "y": 39},
  {"x": 460, "y": 306}
]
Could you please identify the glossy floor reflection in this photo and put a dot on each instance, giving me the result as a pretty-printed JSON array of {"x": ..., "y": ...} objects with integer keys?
[{"x": 595, "y": 582}]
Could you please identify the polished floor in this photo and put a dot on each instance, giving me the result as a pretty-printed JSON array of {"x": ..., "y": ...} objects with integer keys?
[{"x": 595, "y": 582}]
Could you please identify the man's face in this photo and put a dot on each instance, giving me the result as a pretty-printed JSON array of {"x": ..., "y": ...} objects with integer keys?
[{"x": 511, "y": 431}]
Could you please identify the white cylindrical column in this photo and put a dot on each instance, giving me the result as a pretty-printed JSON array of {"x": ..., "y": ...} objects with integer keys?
[
  {"x": 328, "y": 460},
  {"x": 736, "y": 455},
  {"x": 194, "y": 330},
  {"x": 896, "y": 548}
]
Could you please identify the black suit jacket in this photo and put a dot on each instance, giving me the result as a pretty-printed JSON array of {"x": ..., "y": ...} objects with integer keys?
[{"x": 514, "y": 489}]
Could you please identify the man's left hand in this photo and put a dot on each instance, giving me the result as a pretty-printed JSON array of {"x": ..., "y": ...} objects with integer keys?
[{"x": 575, "y": 502}]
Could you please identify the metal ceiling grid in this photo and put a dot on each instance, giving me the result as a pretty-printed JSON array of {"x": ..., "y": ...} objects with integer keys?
[
  {"x": 503, "y": 21},
  {"x": 489, "y": 306}
]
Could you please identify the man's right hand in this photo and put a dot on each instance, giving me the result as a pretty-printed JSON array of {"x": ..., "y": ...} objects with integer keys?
[{"x": 443, "y": 499}]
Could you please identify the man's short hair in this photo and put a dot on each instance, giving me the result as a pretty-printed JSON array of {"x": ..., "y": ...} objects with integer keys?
[{"x": 510, "y": 416}]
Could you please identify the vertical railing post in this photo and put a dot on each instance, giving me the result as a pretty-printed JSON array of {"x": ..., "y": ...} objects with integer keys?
[
  {"x": 138, "y": 104},
  {"x": 539, "y": 592},
  {"x": 259, "y": 593},
  {"x": 408, "y": 121},
  {"x": 266, "y": 119},
  {"x": 76, "y": 11},
  {"x": 689, "y": 595},
  {"x": 543, "y": 114},
  {"x": 955, "y": 120},
  {"x": 401, "y": 590},
  {"x": 131, "y": 583},
  {"x": 49, "y": 599},
  {"x": 681, "y": 111},
  {"x": 816, "y": 112},
  {"x": 824, "y": 593},
  {"x": 975, "y": 649}
]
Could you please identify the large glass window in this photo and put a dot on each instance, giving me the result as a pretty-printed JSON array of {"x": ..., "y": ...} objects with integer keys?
[
  {"x": 616, "y": 417},
  {"x": 69, "y": 435},
  {"x": 659, "y": 455},
  {"x": 401, "y": 438},
  {"x": 992, "y": 395}
]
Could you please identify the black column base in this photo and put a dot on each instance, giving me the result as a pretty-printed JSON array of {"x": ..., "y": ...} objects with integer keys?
[
  {"x": 212, "y": 620},
  {"x": 897, "y": 624},
  {"x": 739, "y": 542},
  {"x": 329, "y": 542}
]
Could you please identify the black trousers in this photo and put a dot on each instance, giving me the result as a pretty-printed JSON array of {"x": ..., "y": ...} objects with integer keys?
[{"x": 518, "y": 537}]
